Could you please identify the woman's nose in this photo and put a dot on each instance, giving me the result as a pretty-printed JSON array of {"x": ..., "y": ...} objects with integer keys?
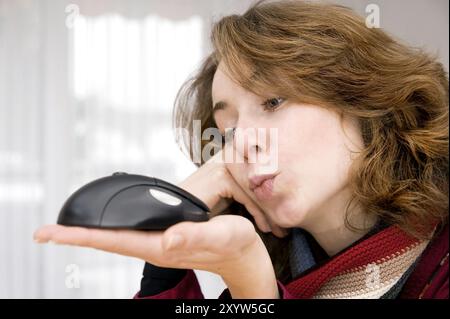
[{"x": 249, "y": 142}]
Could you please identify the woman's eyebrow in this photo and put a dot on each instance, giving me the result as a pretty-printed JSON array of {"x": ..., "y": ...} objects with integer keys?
[{"x": 221, "y": 105}]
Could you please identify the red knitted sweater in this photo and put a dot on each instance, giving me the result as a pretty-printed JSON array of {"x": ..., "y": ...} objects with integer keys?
[{"x": 389, "y": 255}]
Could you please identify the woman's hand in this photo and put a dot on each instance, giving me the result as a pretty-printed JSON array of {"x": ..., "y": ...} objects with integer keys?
[
  {"x": 216, "y": 187},
  {"x": 226, "y": 245}
]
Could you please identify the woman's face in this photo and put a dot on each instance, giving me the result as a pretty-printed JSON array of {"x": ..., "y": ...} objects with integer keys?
[{"x": 314, "y": 149}]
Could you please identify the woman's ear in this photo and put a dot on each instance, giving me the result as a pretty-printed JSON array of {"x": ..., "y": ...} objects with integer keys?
[{"x": 351, "y": 128}]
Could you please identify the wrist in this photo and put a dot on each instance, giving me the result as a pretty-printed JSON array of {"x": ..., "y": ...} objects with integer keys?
[{"x": 252, "y": 276}]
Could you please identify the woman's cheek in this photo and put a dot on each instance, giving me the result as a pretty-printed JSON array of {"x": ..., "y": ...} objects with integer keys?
[{"x": 289, "y": 211}]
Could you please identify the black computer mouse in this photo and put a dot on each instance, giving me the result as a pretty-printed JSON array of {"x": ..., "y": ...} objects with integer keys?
[{"x": 128, "y": 201}]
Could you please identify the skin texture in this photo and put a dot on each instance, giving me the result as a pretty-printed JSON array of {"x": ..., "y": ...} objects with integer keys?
[
  {"x": 315, "y": 152},
  {"x": 309, "y": 191},
  {"x": 226, "y": 244}
]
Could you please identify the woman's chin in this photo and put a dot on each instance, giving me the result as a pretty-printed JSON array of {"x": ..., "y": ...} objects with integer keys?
[{"x": 287, "y": 214}]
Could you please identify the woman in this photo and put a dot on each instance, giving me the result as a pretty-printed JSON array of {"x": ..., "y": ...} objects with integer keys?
[{"x": 356, "y": 206}]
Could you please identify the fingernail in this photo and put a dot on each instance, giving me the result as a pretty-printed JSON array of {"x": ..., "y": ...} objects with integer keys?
[{"x": 175, "y": 241}]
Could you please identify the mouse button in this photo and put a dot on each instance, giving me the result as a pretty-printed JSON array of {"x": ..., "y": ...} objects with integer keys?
[
  {"x": 134, "y": 207},
  {"x": 119, "y": 173},
  {"x": 190, "y": 210},
  {"x": 195, "y": 200},
  {"x": 163, "y": 196}
]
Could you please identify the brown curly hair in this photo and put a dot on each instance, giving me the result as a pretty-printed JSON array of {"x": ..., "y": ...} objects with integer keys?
[{"x": 324, "y": 54}]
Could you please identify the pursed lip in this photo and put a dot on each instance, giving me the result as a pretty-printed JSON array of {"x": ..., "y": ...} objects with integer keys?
[{"x": 257, "y": 180}]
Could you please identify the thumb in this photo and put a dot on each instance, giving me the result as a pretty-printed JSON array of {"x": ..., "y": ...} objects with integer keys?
[
  {"x": 175, "y": 236},
  {"x": 211, "y": 235}
]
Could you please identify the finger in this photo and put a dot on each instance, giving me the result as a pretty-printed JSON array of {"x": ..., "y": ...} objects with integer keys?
[
  {"x": 277, "y": 231},
  {"x": 260, "y": 218},
  {"x": 44, "y": 233},
  {"x": 214, "y": 235},
  {"x": 140, "y": 244},
  {"x": 239, "y": 195}
]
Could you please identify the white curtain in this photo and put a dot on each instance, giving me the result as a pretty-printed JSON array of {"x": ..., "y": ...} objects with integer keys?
[{"x": 86, "y": 89}]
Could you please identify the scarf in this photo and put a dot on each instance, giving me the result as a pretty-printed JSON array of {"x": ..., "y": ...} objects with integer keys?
[{"x": 377, "y": 266}]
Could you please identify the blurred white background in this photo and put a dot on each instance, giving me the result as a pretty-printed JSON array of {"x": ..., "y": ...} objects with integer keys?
[{"x": 86, "y": 89}]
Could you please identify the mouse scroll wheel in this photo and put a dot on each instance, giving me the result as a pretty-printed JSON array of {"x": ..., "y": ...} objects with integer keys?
[
  {"x": 164, "y": 197},
  {"x": 119, "y": 173}
]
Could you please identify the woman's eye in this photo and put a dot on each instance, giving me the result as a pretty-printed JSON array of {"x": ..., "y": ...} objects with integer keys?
[
  {"x": 228, "y": 135},
  {"x": 273, "y": 103}
]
